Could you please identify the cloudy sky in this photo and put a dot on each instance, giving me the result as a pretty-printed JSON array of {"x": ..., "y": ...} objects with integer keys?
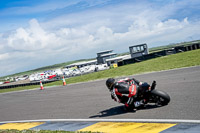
[{"x": 37, "y": 33}]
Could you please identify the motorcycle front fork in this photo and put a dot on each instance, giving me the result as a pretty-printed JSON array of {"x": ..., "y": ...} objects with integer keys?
[{"x": 153, "y": 85}]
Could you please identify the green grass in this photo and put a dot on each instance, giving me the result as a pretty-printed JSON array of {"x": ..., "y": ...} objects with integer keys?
[
  {"x": 60, "y": 65},
  {"x": 185, "y": 59}
]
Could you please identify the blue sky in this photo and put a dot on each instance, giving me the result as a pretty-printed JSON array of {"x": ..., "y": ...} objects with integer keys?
[{"x": 36, "y": 33}]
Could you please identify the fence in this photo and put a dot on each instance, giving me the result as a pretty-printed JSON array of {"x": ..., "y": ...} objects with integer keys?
[
  {"x": 26, "y": 84},
  {"x": 160, "y": 53}
]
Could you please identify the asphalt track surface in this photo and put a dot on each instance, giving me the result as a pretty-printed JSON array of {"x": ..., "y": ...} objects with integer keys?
[{"x": 92, "y": 100}]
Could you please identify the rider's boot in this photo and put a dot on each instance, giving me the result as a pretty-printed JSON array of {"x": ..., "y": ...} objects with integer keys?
[
  {"x": 136, "y": 104},
  {"x": 139, "y": 104}
]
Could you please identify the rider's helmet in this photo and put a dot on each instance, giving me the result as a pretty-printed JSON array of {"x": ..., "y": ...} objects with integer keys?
[{"x": 110, "y": 82}]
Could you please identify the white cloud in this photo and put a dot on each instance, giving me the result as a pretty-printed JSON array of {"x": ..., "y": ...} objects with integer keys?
[
  {"x": 4, "y": 56},
  {"x": 32, "y": 38},
  {"x": 82, "y": 34}
]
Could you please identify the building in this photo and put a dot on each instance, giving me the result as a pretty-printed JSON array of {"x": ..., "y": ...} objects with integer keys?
[
  {"x": 104, "y": 55},
  {"x": 118, "y": 59},
  {"x": 82, "y": 64},
  {"x": 138, "y": 50},
  {"x": 109, "y": 58}
]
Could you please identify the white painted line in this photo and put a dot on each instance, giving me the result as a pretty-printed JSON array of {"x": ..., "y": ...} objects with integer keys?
[{"x": 109, "y": 120}]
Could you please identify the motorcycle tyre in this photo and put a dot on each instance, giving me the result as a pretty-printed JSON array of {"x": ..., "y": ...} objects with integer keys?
[{"x": 161, "y": 94}]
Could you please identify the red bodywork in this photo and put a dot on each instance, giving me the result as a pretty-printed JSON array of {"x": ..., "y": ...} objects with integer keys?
[{"x": 52, "y": 76}]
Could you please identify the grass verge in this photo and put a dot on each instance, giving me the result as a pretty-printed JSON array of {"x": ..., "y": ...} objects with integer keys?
[{"x": 185, "y": 59}]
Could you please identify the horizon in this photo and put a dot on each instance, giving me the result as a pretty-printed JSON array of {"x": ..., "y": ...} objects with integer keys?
[
  {"x": 35, "y": 34},
  {"x": 91, "y": 59}
]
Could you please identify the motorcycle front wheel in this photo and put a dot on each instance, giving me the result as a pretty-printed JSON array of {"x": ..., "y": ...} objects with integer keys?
[{"x": 160, "y": 97}]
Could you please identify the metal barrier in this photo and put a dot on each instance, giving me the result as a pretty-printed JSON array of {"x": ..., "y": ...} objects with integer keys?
[
  {"x": 160, "y": 53},
  {"x": 26, "y": 84}
]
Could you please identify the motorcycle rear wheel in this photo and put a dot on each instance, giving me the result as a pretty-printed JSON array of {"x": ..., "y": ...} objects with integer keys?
[{"x": 160, "y": 97}]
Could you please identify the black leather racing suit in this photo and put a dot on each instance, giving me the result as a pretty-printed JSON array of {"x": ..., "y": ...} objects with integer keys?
[{"x": 126, "y": 91}]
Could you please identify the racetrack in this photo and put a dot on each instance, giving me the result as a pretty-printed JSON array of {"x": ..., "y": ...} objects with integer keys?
[{"x": 92, "y": 100}]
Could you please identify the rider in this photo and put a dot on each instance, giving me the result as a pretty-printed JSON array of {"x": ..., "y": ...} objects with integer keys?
[{"x": 126, "y": 91}]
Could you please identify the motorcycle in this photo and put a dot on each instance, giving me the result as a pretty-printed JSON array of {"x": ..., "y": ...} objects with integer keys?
[{"x": 158, "y": 97}]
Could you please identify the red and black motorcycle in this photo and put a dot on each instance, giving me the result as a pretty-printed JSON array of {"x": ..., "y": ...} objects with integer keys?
[{"x": 160, "y": 98}]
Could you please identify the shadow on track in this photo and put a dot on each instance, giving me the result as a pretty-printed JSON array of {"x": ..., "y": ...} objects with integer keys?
[
  {"x": 120, "y": 110},
  {"x": 110, "y": 112}
]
